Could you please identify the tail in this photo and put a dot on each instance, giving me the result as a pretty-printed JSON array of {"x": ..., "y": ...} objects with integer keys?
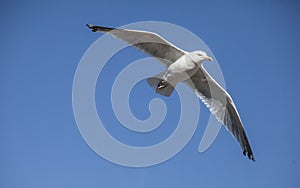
[{"x": 161, "y": 86}]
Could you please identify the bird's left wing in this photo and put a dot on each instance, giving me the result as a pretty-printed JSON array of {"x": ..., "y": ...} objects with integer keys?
[
  {"x": 148, "y": 42},
  {"x": 220, "y": 105}
]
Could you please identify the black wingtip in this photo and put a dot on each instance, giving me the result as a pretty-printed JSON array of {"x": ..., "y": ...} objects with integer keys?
[
  {"x": 249, "y": 154},
  {"x": 92, "y": 27},
  {"x": 96, "y": 28}
]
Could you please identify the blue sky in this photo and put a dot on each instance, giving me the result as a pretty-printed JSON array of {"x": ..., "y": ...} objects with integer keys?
[{"x": 256, "y": 44}]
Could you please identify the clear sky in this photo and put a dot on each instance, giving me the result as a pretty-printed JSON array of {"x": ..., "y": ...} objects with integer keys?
[{"x": 256, "y": 43}]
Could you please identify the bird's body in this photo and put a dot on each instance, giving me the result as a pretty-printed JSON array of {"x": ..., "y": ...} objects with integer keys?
[
  {"x": 181, "y": 70},
  {"x": 185, "y": 67}
]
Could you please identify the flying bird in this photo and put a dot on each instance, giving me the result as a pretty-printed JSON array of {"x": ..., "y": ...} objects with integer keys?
[{"x": 185, "y": 67}]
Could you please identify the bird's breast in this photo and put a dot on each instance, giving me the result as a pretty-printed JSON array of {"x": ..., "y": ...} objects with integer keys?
[
  {"x": 183, "y": 64},
  {"x": 181, "y": 70}
]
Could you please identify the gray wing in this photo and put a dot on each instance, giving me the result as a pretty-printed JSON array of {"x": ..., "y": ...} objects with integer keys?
[
  {"x": 220, "y": 105},
  {"x": 148, "y": 42}
]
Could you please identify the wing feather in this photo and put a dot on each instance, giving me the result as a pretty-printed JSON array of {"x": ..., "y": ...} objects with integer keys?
[
  {"x": 148, "y": 42},
  {"x": 220, "y": 104}
]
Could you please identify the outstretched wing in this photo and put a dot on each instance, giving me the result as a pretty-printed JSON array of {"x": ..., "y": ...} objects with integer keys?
[
  {"x": 220, "y": 105},
  {"x": 148, "y": 42}
]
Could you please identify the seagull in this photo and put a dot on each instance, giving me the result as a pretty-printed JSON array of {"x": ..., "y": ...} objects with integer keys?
[{"x": 185, "y": 67}]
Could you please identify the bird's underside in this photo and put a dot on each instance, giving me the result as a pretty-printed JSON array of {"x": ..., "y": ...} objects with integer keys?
[{"x": 206, "y": 88}]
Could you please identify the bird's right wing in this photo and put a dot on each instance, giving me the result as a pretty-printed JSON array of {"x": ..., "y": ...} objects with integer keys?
[
  {"x": 148, "y": 42},
  {"x": 220, "y": 105}
]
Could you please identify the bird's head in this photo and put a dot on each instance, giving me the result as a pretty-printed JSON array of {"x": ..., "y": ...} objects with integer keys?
[{"x": 199, "y": 56}]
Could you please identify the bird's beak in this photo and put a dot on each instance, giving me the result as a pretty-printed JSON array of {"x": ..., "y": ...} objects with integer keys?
[{"x": 209, "y": 58}]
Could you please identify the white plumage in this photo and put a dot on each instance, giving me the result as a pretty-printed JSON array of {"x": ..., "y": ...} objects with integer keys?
[{"x": 185, "y": 67}]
